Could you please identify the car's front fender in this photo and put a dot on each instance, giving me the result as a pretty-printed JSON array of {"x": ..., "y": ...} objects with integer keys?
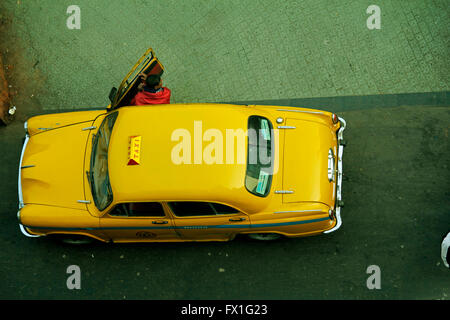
[
  {"x": 46, "y": 122},
  {"x": 35, "y": 219}
]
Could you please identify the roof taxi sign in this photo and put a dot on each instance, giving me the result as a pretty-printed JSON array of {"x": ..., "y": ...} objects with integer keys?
[{"x": 134, "y": 150}]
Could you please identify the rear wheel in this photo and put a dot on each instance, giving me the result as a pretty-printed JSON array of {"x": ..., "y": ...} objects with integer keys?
[{"x": 264, "y": 236}]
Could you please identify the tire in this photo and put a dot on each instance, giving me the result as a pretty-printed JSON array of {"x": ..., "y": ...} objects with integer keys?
[
  {"x": 75, "y": 239},
  {"x": 264, "y": 236}
]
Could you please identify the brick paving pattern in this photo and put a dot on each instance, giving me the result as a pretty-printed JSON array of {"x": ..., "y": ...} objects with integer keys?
[{"x": 216, "y": 51}]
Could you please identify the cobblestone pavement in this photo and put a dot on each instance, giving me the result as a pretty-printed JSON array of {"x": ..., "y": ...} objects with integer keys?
[{"x": 216, "y": 51}]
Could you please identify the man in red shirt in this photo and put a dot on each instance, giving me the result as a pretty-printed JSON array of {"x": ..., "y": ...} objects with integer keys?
[{"x": 151, "y": 91}]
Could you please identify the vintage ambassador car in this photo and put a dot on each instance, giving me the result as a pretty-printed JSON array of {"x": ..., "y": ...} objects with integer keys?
[{"x": 180, "y": 172}]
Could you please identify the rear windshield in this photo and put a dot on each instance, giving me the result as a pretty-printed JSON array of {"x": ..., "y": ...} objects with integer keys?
[{"x": 258, "y": 178}]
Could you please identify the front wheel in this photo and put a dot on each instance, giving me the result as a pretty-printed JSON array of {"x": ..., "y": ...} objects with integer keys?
[
  {"x": 74, "y": 239},
  {"x": 264, "y": 236}
]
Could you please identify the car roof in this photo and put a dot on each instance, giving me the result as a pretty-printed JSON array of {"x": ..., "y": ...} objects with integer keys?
[{"x": 157, "y": 177}]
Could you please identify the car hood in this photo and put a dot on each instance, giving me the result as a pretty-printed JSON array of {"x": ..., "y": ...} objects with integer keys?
[
  {"x": 305, "y": 164},
  {"x": 51, "y": 171}
]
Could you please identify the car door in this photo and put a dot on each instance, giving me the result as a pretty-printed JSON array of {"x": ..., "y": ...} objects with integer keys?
[
  {"x": 138, "y": 221},
  {"x": 148, "y": 64},
  {"x": 197, "y": 220}
]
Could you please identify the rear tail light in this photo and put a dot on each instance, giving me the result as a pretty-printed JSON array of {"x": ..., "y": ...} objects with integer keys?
[
  {"x": 331, "y": 214},
  {"x": 334, "y": 118}
]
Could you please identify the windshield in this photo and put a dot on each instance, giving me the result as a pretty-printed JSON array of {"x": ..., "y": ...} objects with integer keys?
[
  {"x": 258, "y": 177},
  {"x": 98, "y": 174}
]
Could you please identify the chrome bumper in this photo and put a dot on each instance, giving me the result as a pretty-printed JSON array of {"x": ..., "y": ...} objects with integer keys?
[
  {"x": 444, "y": 249},
  {"x": 339, "y": 203},
  {"x": 21, "y": 204}
]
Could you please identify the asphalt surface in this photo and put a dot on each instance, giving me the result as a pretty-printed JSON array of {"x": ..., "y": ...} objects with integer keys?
[{"x": 396, "y": 212}]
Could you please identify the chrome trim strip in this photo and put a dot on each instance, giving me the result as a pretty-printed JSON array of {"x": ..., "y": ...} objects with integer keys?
[
  {"x": 338, "y": 221},
  {"x": 221, "y": 226},
  {"x": 340, "y": 136},
  {"x": 284, "y": 191},
  {"x": 26, "y": 233},
  {"x": 21, "y": 204},
  {"x": 444, "y": 249},
  {"x": 88, "y": 128},
  {"x": 286, "y": 127},
  {"x": 84, "y": 201},
  {"x": 315, "y": 112},
  {"x": 19, "y": 184},
  {"x": 342, "y": 128}
]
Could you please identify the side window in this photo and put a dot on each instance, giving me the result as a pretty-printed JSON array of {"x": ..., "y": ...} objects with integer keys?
[
  {"x": 138, "y": 209},
  {"x": 223, "y": 209},
  {"x": 192, "y": 208}
]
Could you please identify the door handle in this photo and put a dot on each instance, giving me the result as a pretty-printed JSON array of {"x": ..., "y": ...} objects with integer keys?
[
  {"x": 236, "y": 219},
  {"x": 159, "y": 222}
]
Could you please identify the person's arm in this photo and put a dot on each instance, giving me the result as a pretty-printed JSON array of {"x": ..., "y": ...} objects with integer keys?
[{"x": 141, "y": 85}]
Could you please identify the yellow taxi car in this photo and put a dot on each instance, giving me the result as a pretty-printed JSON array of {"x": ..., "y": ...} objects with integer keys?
[{"x": 148, "y": 173}]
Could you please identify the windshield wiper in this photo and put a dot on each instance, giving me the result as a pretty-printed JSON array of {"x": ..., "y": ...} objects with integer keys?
[
  {"x": 89, "y": 176},
  {"x": 91, "y": 172},
  {"x": 91, "y": 184}
]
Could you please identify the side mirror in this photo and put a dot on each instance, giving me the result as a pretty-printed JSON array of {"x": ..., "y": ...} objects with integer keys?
[{"x": 112, "y": 94}]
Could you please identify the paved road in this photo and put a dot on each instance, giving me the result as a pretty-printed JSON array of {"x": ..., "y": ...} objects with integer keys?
[
  {"x": 315, "y": 53},
  {"x": 397, "y": 210}
]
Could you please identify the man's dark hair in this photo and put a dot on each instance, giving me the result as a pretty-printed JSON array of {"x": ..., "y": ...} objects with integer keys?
[{"x": 152, "y": 80}]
